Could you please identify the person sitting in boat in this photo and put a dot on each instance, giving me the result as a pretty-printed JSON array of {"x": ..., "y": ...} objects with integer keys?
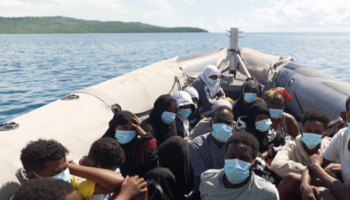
[
  {"x": 258, "y": 123},
  {"x": 208, "y": 88},
  {"x": 321, "y": 166},
  {"x": 341, "y": 122},
  {"x": 193, "y": 119},
  {"x": 207, "y": 151},
  {"x": 161, "y": 122},
  {"x": 174, "y": 177},
  {"x": 282, "y": 122},
  {"x": 47, "y": 159},
  {"x": 139, "y": 146},
  {"x": 105, "y": 153},
  {"x": 237, "y": 180},
  {"x": 250, "y": 94},
  {"x": 292, "y": 159},
  {"x": 46, "y": 188},
  {"x": 204, "y": 126},
  {"x": 185, "y": 108}
]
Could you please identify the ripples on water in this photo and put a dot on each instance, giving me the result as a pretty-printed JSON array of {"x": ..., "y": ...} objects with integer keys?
[{"x": 38, "y": 69}]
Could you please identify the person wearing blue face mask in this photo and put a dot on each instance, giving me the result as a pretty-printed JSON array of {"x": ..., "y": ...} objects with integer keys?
[
  {"x": 322, "y": 164},
  {"x": 139, "y": 147},
  {"x": 161, "y": 122},
  {"x": 185, "y": 109},
  {"x": 47, "y": 159},
  {"x": 258, "y": 123},
  {"x": 208, "y": 88},
  {"x": 250, "y": 94},
  {"x": 292, "y": 159},
  {"x": 194, "y": 118},
  {"x": 207, "y": 150},
  {"x": 282, "y": 122},
  {"x": 237, "y": 180}
]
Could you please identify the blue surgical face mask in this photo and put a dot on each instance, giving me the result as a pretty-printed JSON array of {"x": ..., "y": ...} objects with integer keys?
[
  {"x": 124, "y": 137},
  {"x": 185, "y": 112},
  {"x": 236, "y": 170},
  {"x": 348, "y": 129},
  {"x": 211, "y": 81},
  {"x": 168, "y": 117},
  {"x": 221, "y": 131},
  {"x": 275, "y": 113},
  {"x": 249, "y": 97},
  {"x": 311, "y": 140},
  {"x": 263, "y": 125},
  {"x": 65, "y": 175}
]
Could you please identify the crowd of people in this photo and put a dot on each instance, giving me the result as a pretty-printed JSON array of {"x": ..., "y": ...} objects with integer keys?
[{"x": 199, "y": 144}]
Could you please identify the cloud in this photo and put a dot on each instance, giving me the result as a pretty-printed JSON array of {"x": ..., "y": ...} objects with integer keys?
[
  {"x": 189, "y": 1},
  {"x": 199, "y": 22},
  {"x": 165, "y": 9},
  {"x": 303, "y": 13},
  {"x": 89, "y": 9}
]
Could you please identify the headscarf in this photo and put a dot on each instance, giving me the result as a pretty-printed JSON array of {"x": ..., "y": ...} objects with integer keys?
[
  {"x": 132, "y": 150},
  {"x": 192, "y": 91},
  {"x": 256, "y": 109},
  {"x": 183, "y": 98},
  {"x": 174, "y": 155},
  {"x": 271, "y": 94},
  {"x": 120, "y": 118},
  {"x": 154, "y": 123},
  {"x": 249, "y": 84},
  {"x": 210, "y": 70}
]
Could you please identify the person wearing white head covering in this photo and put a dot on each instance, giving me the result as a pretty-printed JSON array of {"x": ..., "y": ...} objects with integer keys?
[
  {"x": 185, "y": 108},
  {"x": 193, "y": 119},
  {"x": 208, "y": 88}
]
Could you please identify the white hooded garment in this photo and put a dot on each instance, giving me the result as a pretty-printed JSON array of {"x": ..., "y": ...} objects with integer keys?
[
  {"x": 210, "y": 70},
  {"x": 183, "y": 98}
]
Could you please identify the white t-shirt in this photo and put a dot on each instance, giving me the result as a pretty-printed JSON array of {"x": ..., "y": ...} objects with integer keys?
[{"x": 338, "y": 149}]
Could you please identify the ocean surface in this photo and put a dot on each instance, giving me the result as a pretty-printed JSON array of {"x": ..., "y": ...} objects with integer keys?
[{"x": 38, "y": 69}]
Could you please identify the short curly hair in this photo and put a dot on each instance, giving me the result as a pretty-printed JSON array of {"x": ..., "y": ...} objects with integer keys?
[
  {"x": 108, "y": 153},
  {"x": 316, "y": 115},
  {"x": 36, "y": 153},
  {"x": 243, "y": 137},
  {"x": 43, "y": 189}
]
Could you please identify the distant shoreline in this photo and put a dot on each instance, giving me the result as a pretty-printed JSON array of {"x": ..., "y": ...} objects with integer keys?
[{"x": 65, "y": 25}]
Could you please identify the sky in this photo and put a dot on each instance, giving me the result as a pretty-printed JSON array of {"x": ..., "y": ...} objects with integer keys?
[{"x": 212, "y": 15}]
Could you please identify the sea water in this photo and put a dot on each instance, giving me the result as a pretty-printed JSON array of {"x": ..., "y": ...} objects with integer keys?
[{"x": 38, "y": 69}]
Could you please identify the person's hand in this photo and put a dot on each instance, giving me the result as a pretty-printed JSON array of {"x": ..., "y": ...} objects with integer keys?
[
  {"x": 329, "y": 169},
  {"x": 308, "y": 192},
  {"x": 216, "y": 97},
  {"x": 316, "y": 159},
  {"x": 202, "y": 117},
  {"x": 137, "y": 126},
  {"x": 133, "y": 188},
  {"x": 265, "y": 154}
]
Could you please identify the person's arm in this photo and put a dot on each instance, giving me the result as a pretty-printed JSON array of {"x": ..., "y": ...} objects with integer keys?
[
  {"x": 149, "y": 154},
  {"x": 221, "y": 93},
  {"x": 333, "y": 167},
  {"x": 307, "y": 191},
  {"x": 282, "y": 164},
  {"x": 339, "y": 189},
  {"x": 106, "y": 181},
  {"x": 197, "y": 161},
  {"x": 292, "y": 125}
]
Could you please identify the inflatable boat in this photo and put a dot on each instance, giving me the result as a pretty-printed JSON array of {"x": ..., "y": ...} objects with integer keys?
[{"x": 81, "y": 117}]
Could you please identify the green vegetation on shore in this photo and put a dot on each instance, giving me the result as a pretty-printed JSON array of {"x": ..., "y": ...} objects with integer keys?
[{"x": 38, "y": 25}]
